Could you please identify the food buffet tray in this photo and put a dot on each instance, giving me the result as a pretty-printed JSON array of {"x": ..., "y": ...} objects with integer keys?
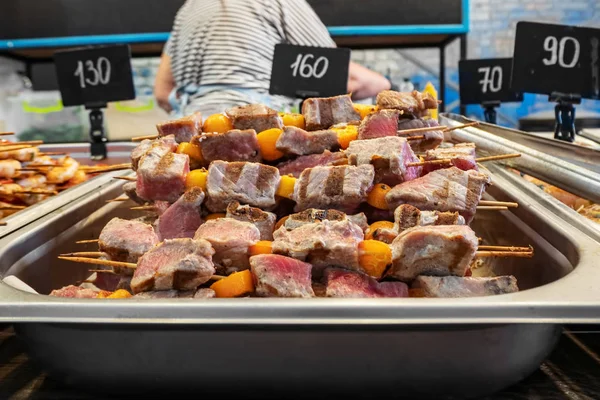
[
  {"x": 573, "y": 168},
  {"x": 440, "y": 348},
  {"x": 117, "y": 153}
]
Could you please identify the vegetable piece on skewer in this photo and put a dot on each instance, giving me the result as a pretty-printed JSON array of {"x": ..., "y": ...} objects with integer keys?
[
  {"x": 196, "y": 178},
  {"x": 117, "y": 294},
  {"x": 234, "y": 285},
  {"x": 346, "y": 135},
  {"x": 217, "y": 123},
  {"x": 292, "y": 119},
  {"x": 364, "y": 109},
  {"x": 374, "y": 257},
  {"x": 267, "y": 141},
  {"x": 376, "y": 196},
  {"x": 286, "y": 187},
  {"x": 261, "y": 247},
  {"x": 192, "y": 150},
  {"x": 371, "y": 233}
]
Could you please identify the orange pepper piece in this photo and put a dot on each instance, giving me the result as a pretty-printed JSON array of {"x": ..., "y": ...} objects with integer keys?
[
  {"x": 260, "y": 247},
  {"x": 376, "y": 197},
  {"x": 374, "y": 257},
  {"x": 235, "y": 285},
  {"x": 267, "y": 141},
  {"x": 371, "y": 231},
  {"x": 217, "y": 123},
  {"x": 292, "y": 119}
]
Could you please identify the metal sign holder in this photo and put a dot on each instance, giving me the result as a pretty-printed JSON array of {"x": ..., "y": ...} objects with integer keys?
[
  {"x": 98, "y": 138},
  {"x": 564, "y": 113}
]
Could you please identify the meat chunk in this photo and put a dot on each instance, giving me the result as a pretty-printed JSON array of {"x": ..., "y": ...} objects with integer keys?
[
  {"x": 235, "y": 145},
  {"x": 324, "y": 112},
  {"x": 343, "y": 187},
  {"x": 389, "y": 156},
  {"x": 350, "y": 284},
  {"x": 230, "y": 239},
  {"x": 182, "y": 218},
  {"x": 297, "y": 166},
  {"x": 431, "y": 140},
  {"x": 183, "y": 129},
  {"x": 461, "y": 155},
  {"x": 127, "y": 241},
  {"x": 108, "y": 280},
  {"x": 161, "y": 175},
  {"x": 264, "y": 221},
  {"x": 407, "y": 216},
  {"x": 74, "y": 292},
  {"x": 248, "y": 183},
  {"x": 313, "y": 215},
  {"x": 449, "y": 189},
  {"x": 165, "y": 294},
  {"x": 180, "y": 264},
  {"x": 205, "y": 293},
  {"x": 432, "y": 250},
  {"x": 413, "y": 103},
  {"x": 456, "y": 286},
  {"x": 297, "y": 141},
  {"x": 322, "y": 244},
  {"x": 129, "y": 188},
  {"x": 381, "y": 123},
  {"x": 279, "y": 276},
  {"x": 254, "y": 116},
  {"x": 168, "y": 142}
]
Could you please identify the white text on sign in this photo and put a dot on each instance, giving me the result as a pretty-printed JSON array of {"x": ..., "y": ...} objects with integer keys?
[
  {"x": 303, "y": 67},
  {"x": 492, "y": 79},
  {"x": 93, "y": 74},
  {"x": 557, "y": 51}
]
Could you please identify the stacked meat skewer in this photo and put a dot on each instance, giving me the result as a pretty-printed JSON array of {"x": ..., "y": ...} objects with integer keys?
[{"x": 324, "y": 174}]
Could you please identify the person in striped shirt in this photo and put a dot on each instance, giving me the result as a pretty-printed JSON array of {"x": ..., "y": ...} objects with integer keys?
[{"x": 220, "y": 54}]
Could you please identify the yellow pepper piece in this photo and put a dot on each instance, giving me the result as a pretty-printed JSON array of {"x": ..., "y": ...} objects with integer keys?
[
  {"x": 371, "y": 231},
  {"x": 286, "y": 187},
  {"x": 120, "y": 294},
  {"x": 364, "y": 109},
  {"x": 196, "y": 178},
  {"x": 261, "y": 247},
  {"x": 191, "y": 150},
  {"x": 280, "y": 223},
  {"x": 376, "y": 197},
  {"x": 103, "y": 294},
  {"x": 292, "y": 119},
  {"x": 214, "y": 216},
  {"x": 346, "y": 135},
  {"x": 235, "y": 285},
  {"x": 217, "y": 123},
  {"x": 267, "y": 141},
  {"x": 374, "y": 257}
]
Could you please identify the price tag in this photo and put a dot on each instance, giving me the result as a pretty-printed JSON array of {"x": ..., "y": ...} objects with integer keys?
[
  {"x": 95, "y": 76},
  {"x": 486, "y": 80},
  {"x": 557, "y": 58},
  {"x": 300, "y": 71}
]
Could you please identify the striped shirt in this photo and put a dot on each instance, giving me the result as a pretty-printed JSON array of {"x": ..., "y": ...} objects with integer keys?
[{"x": 226, "y": 47}]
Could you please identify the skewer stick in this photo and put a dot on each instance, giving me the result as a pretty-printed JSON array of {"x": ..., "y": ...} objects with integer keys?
[
  {"x": 217, "y": 277},
  {"x": 30, "y": 142},
  {"x": 2, "y": 223},
  {"x": 14, "y": 148},
  {"x": 449, "y": 160},
  {"x": 143, "y": 208},
  {"x": 126, "y": 178},
  {"x": 6, "y": 133},
  {"x": 96, "y": 261},
  {"x": 492, "y": 208},
  {"x": 53, "y": 153},
  {"x": 118, "y": 199},
  {"x": 103, "y": 271},
  {"x": 35, "y": 191},
  {"x": 409, "y": 138},
  {"x": 498, "y": 203},
  {"x": 87, "y": 241},
  {"x": 9, "y": 207},
  {"x": 419, "y": 130},
  {"x": 461, "y": 126},
  {"x": 524, "y": 254},
  {"x": 140, "y": 138},
  {"x": 498, "y": 157},
  {"x": 110, "y": 168},
  {"x": 84, "y": 254},
  {"x": 506, "y": 248}
]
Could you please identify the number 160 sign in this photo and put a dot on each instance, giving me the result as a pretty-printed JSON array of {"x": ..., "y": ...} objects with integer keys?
[{"x": 301, "y": 71}]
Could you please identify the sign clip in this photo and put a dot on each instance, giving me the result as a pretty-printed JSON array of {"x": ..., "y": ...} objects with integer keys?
[
  {"x": 564, "y": 113},
  {"x": 489, "y": 111},
  {"x": 97, "y": 138}
]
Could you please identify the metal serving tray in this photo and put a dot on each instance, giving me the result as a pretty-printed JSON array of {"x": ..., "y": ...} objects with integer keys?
[
  {"x": 438, "y": 348},
  {"x": 117, "y": 153},
  {"x": 573, "y": 168}
]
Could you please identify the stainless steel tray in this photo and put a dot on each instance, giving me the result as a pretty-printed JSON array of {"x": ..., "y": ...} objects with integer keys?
[
  {"x": 572, "y": 168},
  {"x": 417, "y": 347},
  {"x": 117, "y": 153}
]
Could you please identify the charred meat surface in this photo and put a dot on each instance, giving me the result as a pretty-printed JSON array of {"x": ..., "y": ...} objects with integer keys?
[
  {"x": 457, "y": 286},
  {"x": 129, "y": 188},
  {"x": 343, "y": 187},
  {"x": 449, "y": 189},
  {"x": 74, "y": 292},
  {"x": 180, "y": 264},
  {"x": 432, "y": 139},
  {"x": 279, "y": 276},
  {"x": 182, "y": 218},
  {"x": 432, "y": 250},
  {"x": 247, "y": 183},
  {"x": 410, "y": 103},
  {"x": 461, "y": 155},
  {"x": 254, "y": 116},
  {"x": 313, "y": 215},
  {"x": 298, "y": 165},
  {"x": 235, "y": 145},
  {"x": 324, "y": 112},
  {"x": 230, "y": 239},
  {"x": 323, "y": 244},
  {"x": 389, "y": 156},
  {"x": 168, "y": 142},
  {"x": 298, "y": 142},
  {"x": 351, "y": 284},
  {"x": 126, "y": 241},
  {"x": 183, "y": 129},
  {"x": 381, "y": 123},
  {"x": 161, "y": 175},
  {"x": 264, "y": 221}
]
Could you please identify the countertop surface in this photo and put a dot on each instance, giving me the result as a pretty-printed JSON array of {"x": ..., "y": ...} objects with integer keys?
[{"x": 572, "y": 372}]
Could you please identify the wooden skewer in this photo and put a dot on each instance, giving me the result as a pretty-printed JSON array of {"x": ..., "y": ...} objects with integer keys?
[
  {"x": 498, "y": 203},
  {"x": 100, "y": 262},
  {"x": 140, "y": 138},
  {"x": 126, "y": 178},
  {"x": 506, "y": 248},
  {"x": 15, "y": 148},
  {"x": 118, "y": 199},
  {"x": 87, "y": 241},
  {"x": 498, "y": 157},
  {"x": 53, "y": 153},
  {"x": 461, "y": 126},
  {"x": 492, "y": 208},
  {"x": 111, "y": 168},
  {"x": 3, "y": 223},
  {"x": 143, "y": 208},
  {"x": 525, "y": 254},
  {"x": 419, "y": 130},
  {"x": 36, "y": 191},
  {"x": 6, "y": 133},
  {"x": 103, "y": 271},
  {"x": 217, "y": 277},
  {"x": 409, "y": 138},
  {"x": 8, "y": 207},
  {"x": 30, "y": 142},
  {"x": 84, "y": 254},
  {"x": 449, "y": 160}
]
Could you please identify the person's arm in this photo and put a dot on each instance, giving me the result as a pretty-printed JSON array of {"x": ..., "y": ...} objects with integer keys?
[
  {"x": 364, "y": 83},
  {"x": 164, "y": 84}
]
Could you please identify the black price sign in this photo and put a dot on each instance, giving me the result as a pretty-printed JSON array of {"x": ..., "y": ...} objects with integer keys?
[
  {"x": 300, "y": 71},
  {"x": 486, "y": 80},
  {"x": 95, "y": 76},
  {"x": 557, "y": 58}
]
